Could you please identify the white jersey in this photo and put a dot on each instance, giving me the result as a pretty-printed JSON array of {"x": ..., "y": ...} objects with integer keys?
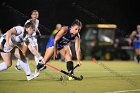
[
  {"x": 15, "y": 39},
  {"x": 33, "y": 38},
  {"x": 36, "y": 23}
]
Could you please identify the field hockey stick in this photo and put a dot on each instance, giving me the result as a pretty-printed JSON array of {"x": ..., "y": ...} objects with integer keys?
[
  {"x": 70, "y": 72},
  {"x": 66, "y": 73}
]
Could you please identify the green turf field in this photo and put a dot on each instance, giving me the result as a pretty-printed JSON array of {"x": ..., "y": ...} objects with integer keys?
[{"x": 101, "y": 77}]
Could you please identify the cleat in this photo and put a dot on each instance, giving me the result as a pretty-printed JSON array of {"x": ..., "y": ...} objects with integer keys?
[
  {"x": 18, "y": 67},
  {"x": 40, "y": 66},
  {"x": 135, "y": 60},
  {"x": 30, "y": 77},
  {"x": 38, "y": 69},
  {"x": 37, "y": 72},
  {"x": 44, "y": 67}
]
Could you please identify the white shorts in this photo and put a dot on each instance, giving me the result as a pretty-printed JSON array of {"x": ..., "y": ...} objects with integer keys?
[{"x": 4, "y": 47}]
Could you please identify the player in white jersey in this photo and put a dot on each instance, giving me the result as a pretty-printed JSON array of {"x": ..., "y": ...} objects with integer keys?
[
  {"x": 35, "y": 21},
  {"x": 8, "y": 46}
]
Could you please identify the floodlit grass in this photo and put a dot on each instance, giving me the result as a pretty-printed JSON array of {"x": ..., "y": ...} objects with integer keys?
[{"x": 101, "y": 77}]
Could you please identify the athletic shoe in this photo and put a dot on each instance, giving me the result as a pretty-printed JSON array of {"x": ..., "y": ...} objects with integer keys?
[
  {"x": 39, "y": 66},
  {"x": 135, "y": 59},
  {"x": 18, "y": 67},
  {"x": 44, "y": 67},
  {"x": 37, "y": 72},
  {"x": 30, "y": 77}
]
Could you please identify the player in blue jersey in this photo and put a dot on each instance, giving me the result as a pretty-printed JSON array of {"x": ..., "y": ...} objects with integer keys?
[
  {"x": 135, "y": 36},
  {"x": 60, "y": 42}
]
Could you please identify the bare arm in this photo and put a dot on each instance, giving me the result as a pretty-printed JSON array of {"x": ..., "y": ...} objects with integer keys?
[
  {"x": 34, "y": 52},
  {"x": 57, "y": 37},
  {"x": 36, "y": 26},
  {"x": 8, "y": 35},
  {"x": 37, "y": 30},
  {"x": 133, "y": 35},
  {"x": 77, "y": 49}
]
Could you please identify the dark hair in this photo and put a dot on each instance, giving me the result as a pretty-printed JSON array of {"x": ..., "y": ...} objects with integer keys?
[
  {"x": 29, "y": 24},
  {"x": 34, "y": 11},
  {"x": 77, "y": 22}
]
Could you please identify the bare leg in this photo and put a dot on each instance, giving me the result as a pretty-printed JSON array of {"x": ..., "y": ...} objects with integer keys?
[
  {"x": 23, "y": 61},
  {"x": 36, "y": 59},
  {"x": 24, "y": 50},
  {"x": 137, "y": 51},
  {"x": 48, "y": 54},
  {"x": 47, "y": 57},
  {"x": 7, "y": 61},
  {"x": 66, "y": 52}
]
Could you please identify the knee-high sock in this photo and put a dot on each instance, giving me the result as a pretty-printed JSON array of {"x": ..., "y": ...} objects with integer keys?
[
  {"x": 36, "y": 59},
  {"x": 138, "y": 58},
  {"x": 3, "y": 66},
  {"x": 70, "y": 66},
  {"x": 24, "y": 64},
  {"x": 18, "y": 62}
]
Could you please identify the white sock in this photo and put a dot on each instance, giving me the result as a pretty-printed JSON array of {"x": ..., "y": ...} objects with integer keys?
[
  {"x": 36, "y": 60},
  {"x": 18, "y": 62},
  {"x": 3, "y": 66},
  {"x": 25, "y": 67}
]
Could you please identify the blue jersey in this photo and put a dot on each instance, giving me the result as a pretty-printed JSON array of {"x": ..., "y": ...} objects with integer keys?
[
  {"x": 64, "y": 40},
  {"x": 137, "y": 37}
]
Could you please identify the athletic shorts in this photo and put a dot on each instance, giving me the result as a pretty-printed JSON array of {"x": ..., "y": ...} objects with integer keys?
[
  {"x": 3, "y": 47},
  {"x": 51, "y": 44},
  {"x": 136, "y": 44}
]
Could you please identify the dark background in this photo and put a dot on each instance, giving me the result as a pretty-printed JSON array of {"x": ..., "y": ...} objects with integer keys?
[{"x": 124, "y": 13}]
